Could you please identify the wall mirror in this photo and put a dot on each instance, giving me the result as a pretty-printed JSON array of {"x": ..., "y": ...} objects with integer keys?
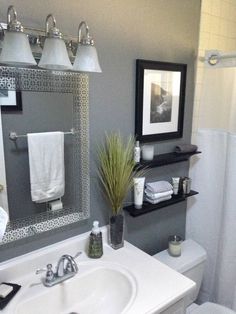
[{"x": 45, "y": 101}]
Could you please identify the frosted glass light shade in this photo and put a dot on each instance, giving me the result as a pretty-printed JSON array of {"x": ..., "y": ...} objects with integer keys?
[
  {"x": 55, "y": 56},
  {"x": 16, "y": 50},
  {"x": 86, "y": 59}
]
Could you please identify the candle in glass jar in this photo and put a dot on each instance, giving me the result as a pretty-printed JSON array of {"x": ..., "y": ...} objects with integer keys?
[
  {"x": 147, "y": 152},
  {"x": 175, "y": 245}
]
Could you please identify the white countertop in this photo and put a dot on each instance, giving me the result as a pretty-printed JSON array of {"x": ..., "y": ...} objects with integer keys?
[{"x": 158, "y": 286}]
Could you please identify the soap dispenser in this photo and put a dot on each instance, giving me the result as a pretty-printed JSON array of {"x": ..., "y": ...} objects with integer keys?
[{"x": 95, "y": 242}]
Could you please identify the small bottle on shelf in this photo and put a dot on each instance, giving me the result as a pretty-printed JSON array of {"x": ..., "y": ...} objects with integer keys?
[{"x": 137, "y": 152}]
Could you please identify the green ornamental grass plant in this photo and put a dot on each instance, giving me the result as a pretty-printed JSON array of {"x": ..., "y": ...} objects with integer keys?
[{"x": 116, "y": 169}]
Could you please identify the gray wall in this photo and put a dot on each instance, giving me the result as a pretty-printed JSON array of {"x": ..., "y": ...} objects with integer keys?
[{"x": 164, "y": 30}]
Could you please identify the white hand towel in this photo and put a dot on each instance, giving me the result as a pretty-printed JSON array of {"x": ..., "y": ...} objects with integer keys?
[
  {"x": 155, "y": 196},
  {"x": 46, "y": 161},
  {"x": 3, "y": 222},
  {"x": 158, "y": 186},
  {"x": 166, "y": 198}
]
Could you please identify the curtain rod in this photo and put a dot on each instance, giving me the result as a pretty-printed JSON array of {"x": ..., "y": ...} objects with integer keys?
[{"x": 213, "y": 57}]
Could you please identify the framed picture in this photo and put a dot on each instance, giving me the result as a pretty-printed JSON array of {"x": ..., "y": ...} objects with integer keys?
[
  {"x": 10, "y": 100},
  {"x": 160, "y": 95}
]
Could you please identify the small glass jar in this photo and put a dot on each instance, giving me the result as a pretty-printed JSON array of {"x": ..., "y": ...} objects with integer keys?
[
  {"x": 174, "y": 245},
  {"x": 147, "y": 152}
]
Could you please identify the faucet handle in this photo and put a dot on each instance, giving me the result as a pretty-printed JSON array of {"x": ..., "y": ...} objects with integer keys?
[
  {"x": 77, "y": 255},
  {"x": 49, "y": 272},
  {"x": 40, "y": 271}
]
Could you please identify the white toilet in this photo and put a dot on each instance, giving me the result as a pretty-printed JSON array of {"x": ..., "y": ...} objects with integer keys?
[{"x": 191, "y": 264}]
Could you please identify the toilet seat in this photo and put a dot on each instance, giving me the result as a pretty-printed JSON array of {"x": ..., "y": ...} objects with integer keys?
[{"x": 212, "y": 308}]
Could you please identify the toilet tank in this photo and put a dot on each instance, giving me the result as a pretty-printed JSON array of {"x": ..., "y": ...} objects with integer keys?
[{"x": 190, "y": 264}]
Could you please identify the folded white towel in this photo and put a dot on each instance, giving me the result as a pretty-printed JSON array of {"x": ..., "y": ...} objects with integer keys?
[
  {"x": 155, "y": 196},
  {"x": 46, "y": 161},
  {"x": 158, "y": 186},
  {"x": 166, "y": 198},
  {"x": 3, "y": 222}
]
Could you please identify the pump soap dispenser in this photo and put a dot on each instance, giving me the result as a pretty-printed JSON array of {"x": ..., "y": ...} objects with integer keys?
[{"x": 95, "y": 242}]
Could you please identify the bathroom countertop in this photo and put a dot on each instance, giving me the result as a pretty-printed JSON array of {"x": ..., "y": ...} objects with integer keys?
[{"x": 157, "y": 285}]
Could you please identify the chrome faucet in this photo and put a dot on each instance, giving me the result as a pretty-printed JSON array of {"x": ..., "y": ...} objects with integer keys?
[
  {"x": 66, "y": 265},
  {"x": 66, "y": 268}
]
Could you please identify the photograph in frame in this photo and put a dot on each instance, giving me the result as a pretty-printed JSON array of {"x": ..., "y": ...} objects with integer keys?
[
  {"x": 160, "y": 94},
  {"x": 10, "y": 100}
]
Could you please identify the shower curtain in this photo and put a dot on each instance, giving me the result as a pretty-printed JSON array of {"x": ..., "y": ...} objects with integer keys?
[{"x": 211, "y": 216}]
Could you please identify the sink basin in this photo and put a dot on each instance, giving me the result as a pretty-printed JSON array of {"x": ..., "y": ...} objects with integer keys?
[{"x": 101, "y": 290}]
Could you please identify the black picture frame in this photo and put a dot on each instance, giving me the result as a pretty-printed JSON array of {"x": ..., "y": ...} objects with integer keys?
[
  {"x": 160, "y": 98},
  {"x": 12, "y": 107}
]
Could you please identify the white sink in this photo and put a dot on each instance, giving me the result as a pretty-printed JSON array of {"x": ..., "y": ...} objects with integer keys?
[
  {"x": 124, "y": 281},
  {"x": 102, "y": 290}
]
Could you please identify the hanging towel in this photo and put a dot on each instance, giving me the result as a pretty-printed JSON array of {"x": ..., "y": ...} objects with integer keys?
[
  {"x": 3, "y": 222},
  {"x": 186, "y": 148},
  {"x": 156, "y": 196},
  {"x": 46, "y": 163},
  {"x": 165, "y": 198},
  {"x": 158, "y": 187}
]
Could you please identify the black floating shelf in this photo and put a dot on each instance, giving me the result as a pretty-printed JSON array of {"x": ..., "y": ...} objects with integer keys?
[
  {"x": 166, "y": 159},
  {"x": 147, "y": 207}
]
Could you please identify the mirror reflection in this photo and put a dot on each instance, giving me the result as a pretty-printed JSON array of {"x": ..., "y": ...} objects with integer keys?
[
  {"x": 44, "y": 145},
  {"x": 41, "y": 112}
]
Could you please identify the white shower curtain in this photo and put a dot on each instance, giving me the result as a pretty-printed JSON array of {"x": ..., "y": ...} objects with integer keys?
[{"x": 211, "y": 216}]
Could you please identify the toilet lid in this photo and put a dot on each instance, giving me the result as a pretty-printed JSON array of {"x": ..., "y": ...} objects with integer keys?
[{"x": 212, "y": 308}]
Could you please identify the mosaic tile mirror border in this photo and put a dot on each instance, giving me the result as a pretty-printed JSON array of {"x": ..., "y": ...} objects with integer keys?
[{"x": 64, "y": 82}]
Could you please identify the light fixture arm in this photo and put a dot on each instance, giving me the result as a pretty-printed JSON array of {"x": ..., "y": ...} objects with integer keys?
[
  {"x": 9, "y": 10},
  {"x": 85, "y": 39},
  {"x": 53, "y": 31},
  {"x": 12, "y": 23},
  {"x": 52, "y": 17}
]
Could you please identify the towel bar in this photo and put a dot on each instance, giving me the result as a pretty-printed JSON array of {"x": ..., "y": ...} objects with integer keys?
[{"x": 13, "y": 136}]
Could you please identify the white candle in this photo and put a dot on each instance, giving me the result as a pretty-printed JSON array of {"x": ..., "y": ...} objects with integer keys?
[{"x": 175, "y": 246}]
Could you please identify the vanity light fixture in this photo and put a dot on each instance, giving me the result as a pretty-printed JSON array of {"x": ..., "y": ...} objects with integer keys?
[
  {"x": 15, "y": 48},
  {"x": 54, "y": 55},
  {"x": 86, "y": 59},
  {"x": 21, "y": 46}
]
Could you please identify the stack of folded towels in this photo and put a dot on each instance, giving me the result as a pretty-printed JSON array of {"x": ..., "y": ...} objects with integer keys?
[{"x": 158, "y": 191}]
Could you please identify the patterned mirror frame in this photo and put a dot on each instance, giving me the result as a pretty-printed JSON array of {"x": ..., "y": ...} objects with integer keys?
[{"x": 36, "y": 80}]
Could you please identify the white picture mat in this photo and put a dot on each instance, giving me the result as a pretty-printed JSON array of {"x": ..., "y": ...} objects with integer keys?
[
  {"x": 10, "y": 100},
  {"x": 154, "y": 76}
]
